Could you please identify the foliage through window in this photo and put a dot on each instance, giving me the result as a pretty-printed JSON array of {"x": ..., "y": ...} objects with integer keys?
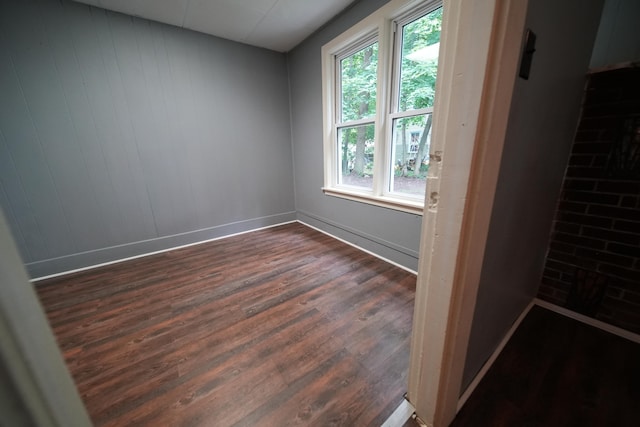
[
  {"x": 358, "y": 75},
  {"x": 379, "y": 88}
]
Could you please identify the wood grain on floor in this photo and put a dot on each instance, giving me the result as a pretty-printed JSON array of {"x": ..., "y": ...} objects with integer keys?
[
  {"x": 556, "y": 371},
  {"x": 282, "y": 326}
]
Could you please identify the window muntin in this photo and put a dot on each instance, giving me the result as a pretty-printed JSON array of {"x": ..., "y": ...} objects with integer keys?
[
  {"x": 358, "y": 84},
  {"x": 357, "y": 88},
  {"x": 355, "y": 145},
  {"x": 416, "y": 62},
  {"x": 410, "y": 154},
  {"x": 366, "y": 157},
  {"x": 419, "y": 45}
]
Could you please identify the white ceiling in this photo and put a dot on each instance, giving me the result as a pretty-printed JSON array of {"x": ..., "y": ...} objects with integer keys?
[{"x": 274, "y": 24}]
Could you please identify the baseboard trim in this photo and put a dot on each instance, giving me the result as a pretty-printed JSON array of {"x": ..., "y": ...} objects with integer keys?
[
  {"x": 40, "y": 269},
  {"x": 389, "y": 250},
  {"x": 487, "y": 365},
  {"x": 374, "y": 239},
  {"x": 401, "y": 415},
  {"x": 92, "y": 259},
  {"x": 360, "y": 248},
  {"x": 631, "y": 336}
]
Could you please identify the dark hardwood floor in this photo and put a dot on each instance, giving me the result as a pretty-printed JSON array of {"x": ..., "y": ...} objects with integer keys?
[
  {"x": 282, "y": 326},
  {"x": 556, "y": 371}
]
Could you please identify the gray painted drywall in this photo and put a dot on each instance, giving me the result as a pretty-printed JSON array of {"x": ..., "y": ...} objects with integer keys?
[
  {"x": 35, "y": 385},
  {"x": 542, "y": 122},
  {"x": 389, "y": 233},
  {"x": 618, "y": 38},
  {"x": 120, "y": 136}
]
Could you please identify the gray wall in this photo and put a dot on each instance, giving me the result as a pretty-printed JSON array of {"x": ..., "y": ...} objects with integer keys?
[
  {"x": 542, "y": 122},
  {"x": 618, "y": 37},
  {"x": 392, "y": 234},
  {"x": 120, "y": 136}
]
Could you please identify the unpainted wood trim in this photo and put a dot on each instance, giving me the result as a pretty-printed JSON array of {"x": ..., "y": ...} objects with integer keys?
[{"x": 475, "y": 87}]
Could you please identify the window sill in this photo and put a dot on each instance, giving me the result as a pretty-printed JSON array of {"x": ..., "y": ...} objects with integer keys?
[{"x": 410, "y": 206}]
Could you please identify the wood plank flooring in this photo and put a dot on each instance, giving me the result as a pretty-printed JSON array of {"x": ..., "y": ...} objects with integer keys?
[
  {"x": 282, "y": 326},
  {"x": 556, "y": 371}
]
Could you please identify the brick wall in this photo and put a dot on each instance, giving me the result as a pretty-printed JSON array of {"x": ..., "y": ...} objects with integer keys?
[{"x": 593, "y": 260}]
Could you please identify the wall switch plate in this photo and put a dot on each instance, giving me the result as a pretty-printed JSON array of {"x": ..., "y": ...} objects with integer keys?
[{"x": 527, "y": 54}]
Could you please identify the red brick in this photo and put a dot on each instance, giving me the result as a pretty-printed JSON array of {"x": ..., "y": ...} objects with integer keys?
[
  {"x": 604, "y": 257},
  {"x": 598, "y": 124},
  {"x": 595, "y": 221},
  {"x": 611, "y": 236},
  {"x": 579, "y": 184},
  {"x": 581, "y": 160},
  {"x": 552, "y": 274},
  {"x": 629, "y": 202},
  {"x": 562, "y": 247},
  {"x": 592, "y": 148},
  {"x": 587, "y": 135},
  {"x": 556, "y": 298},
  {"x": 566, "y": 227},
  {"x": 623, "y": 273},
  {"x": 583, "y": 172},
  {"x": 562, "y": 256},
  {"x": 629, "y": 250},
  {"x": 591, "y": 197},
  {"x": 546, "y": 290},
  {"x": 619, "y": 187},
  {"x": 621, "y": 107},
  {"x": 554, "y": 283},
  {"x": 622, "y": 304},
  {"x": 614, "y": 292},
  {"x": 559, "y": 266},
  {"x": 600, "y": 161},
  {"x": 632, "y": 298},
  {"x": 580, "y": 241},
  {"x": 630, "y": 226},
  {"x": 613, "y": 212},
  {"x": 566, "y": 206}
]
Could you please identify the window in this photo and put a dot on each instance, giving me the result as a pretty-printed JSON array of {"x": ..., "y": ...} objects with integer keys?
[
  {"x": 356, "y": 111},
  {"x": 378, "y": 92}
]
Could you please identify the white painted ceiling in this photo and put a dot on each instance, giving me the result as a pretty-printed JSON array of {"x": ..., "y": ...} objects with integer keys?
[{"x": 273, "y": 24}]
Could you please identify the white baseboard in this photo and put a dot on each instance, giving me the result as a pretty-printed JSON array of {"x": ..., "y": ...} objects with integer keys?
[
  {"x": 552, "y": 307},
  {"x": 360, "y": 248},
  {"x": 631, "y": 336},
  {"x": 89, "y": 267},
  {"x": 487, "y": 365},
  {"x": 116, "y": 261},
  {"x": 401, "y": 415}
]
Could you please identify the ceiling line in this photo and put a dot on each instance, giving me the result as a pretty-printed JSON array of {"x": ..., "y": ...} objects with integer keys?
[{"x": 255, "y": 27}]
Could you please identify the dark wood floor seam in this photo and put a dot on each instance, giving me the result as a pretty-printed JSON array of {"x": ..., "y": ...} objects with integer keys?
[{"x": 281, "y": 326}]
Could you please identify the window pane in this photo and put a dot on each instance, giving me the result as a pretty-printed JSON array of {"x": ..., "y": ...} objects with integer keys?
[
  {"x": 358, "y": 74},
  {"x": 355, "y": 145},
  {"x": 411, "y": 137},
  {"x": 419, "y": 61}
]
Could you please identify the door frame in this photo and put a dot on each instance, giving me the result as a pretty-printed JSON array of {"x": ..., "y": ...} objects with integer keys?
[
  {"x": 479, "y": 55},
  {"x": 42, "y": 390}
]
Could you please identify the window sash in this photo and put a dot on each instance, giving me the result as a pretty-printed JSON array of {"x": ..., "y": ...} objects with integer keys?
[
  {"x": 381, "y": 27},
  {"x": 398, "y": 26},
  {"x": 351, "y": 49},
  {"x": 388, "y": 189}
]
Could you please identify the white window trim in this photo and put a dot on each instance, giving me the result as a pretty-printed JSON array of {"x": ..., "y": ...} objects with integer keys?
[{"x": 377, "y": 26}]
